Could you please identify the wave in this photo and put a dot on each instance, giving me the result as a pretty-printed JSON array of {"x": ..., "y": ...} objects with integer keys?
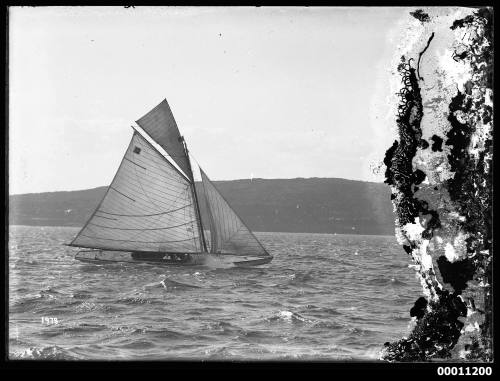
[
  {"x": 172, "y": 284},
  {"x": 328, "y": 325},
  {"x": 359, "y": 331},
  {"x": 132, "y": 300},
  {"x": 53, "y": 352},
  {"x": 82, "y": 295},
  {"x": 28, "y": 303},
  {"x": 139, "y": 344},
  {"x": 26, "y": 262},
  {"x": 289, "y": 316},
  {"x": 81, "y": 328},
  {"x": 167, "y": 334},
  {"x": 87, "y": 307},
  {"x": 300, "y": 278},
  {"x": 222, "y": 327},
  {"x": 386, "y": 281},
  {"x": 218, "y": 353}
]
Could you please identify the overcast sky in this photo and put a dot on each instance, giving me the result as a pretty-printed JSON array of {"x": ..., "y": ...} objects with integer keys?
[{"x": 257, "y": 92}]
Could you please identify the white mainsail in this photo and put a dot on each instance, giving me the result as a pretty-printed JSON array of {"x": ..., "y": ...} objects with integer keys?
[
  {"x": 228, "y": 233},
  {"x": 149, "y": 206}
]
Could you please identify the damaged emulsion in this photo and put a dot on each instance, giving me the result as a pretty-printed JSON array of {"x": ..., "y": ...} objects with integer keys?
[
  {"x": 471, "y": 186},
  {"x": 438, "y": 328},
  {"x": 421, "y": 15}
]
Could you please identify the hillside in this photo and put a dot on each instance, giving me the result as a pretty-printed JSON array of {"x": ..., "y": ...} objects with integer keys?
[{"x": 314, "y": 205}]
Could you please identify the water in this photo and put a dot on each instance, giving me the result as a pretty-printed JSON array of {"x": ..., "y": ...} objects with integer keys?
[{"x": 323, "y": 297}]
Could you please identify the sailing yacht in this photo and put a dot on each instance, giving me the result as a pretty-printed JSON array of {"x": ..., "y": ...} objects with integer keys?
[{"x": 151, "y": 210}]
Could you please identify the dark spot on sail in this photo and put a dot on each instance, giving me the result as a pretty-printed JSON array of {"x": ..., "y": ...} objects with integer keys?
[{"x": 137, "y": 150}]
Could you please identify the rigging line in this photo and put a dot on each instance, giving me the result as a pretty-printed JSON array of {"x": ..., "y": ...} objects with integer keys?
[
  {"x": 143, "y": 215},
  {"x": 188, "y": 195},
  {"x": 203, "y": 242},
  {"x": 148, "y": 229},
  {"x": 212, "y": 225}
]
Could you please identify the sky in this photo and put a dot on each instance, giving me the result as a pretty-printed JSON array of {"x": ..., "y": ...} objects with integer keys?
[{"x": 280, "y": 92}]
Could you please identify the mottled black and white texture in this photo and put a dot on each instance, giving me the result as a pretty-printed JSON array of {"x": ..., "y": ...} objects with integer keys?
[{"x": 439, "y": 170}]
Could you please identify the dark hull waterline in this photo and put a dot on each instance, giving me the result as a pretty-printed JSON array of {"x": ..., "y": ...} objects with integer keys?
[{"x": 171, "y": 259}]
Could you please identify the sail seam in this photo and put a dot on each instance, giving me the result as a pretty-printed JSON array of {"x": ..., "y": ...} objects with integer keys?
[
  {"x": 126, "y": 240},
  {"x": 165, "y": 220},
  {"x": 124, "y": 195},
  {"x": 133, "y": 162},
  {"x": 144, "y": 215},
  {"x": 180, "y": 172},
  {"x": 113, "y": 219},
  {"x": 166, "y": 199},
  {"x": 144, "y": 229},
  {"x": 107, "y": 190}
]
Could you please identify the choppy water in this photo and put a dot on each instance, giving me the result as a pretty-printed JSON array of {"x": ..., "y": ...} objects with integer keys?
[{"x": 323, "y": 297}]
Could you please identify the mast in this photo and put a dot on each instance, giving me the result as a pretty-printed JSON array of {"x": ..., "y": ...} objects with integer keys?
[{"x": 195, "y": 197}]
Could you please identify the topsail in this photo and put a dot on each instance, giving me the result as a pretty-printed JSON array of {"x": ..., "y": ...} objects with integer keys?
[{"x": 160, "y": 124}]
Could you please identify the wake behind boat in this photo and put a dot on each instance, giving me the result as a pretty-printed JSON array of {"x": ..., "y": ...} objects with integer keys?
[{"x": 151, "y": 213}]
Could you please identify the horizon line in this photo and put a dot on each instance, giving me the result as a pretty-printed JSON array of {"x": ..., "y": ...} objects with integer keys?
[{"x": 198, "y": 181}]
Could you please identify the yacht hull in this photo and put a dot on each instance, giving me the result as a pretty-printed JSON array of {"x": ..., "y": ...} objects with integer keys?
[{"x": 170, "y": 259}]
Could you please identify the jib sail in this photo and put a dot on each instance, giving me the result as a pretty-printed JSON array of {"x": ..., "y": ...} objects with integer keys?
[{"x": 228, "y": 233}]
